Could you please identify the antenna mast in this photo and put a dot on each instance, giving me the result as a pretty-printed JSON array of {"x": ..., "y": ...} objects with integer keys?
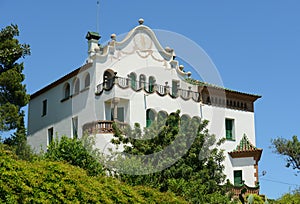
[{"x": 97, "y": 20}]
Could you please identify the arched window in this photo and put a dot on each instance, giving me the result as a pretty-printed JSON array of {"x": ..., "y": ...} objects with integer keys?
[
  {"x": 151, "y": 84},
  {"x": 150, "y": 117},
  {"x": 142, "y": 81},
  {"x": 87, "y": 80},
  {"x": 108, "y": 79},
  {"x": 162, "y": 117},
  {"x": 184, "y": 121},
  {"x": 67, "y": 90},
  {"x": 185, "y": 117},
  {"x": 76, "y": 86},
  {"x": 132, "y": 77},
  {"x": 196, "y": 119}
]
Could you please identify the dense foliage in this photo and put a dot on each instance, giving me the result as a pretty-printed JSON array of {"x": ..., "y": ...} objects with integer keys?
[
  {"x": 174, "y": 154},
  {"x": 290, "y": 198},
  {"x": 77, "y": 152},
  {"x": 290, "y": 149},
  {"x": 254, "y": 199},
  {"x": 43, "y": 181}
]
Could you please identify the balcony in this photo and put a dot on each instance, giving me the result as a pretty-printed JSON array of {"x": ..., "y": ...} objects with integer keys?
[
  {"x": 102, "y": 127},
  {"x": 150, "y": 88}
]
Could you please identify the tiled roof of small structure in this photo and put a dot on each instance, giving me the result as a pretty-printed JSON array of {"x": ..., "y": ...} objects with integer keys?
[
  {"x": 246, "y": 149},
  {"x": 245, "y": 145}
]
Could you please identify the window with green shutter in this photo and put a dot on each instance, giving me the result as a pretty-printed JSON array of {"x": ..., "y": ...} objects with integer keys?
[
  {"x": 150, "y": 117},
  {"x": 133, "y": 80},
  {"x": 120, "y": 114},
  {"x": 175, "y": 85},
  {"x": 229, "y": 128},
  {"x": 151, "y": 84},
  {"x": 238, "y": 177}
]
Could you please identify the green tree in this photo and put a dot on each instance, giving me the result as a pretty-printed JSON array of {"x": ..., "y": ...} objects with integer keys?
[
  {"x": 77, "y": 152},
  {"x": 13, "y": 94},
  {"x": 254, "y": 199},
  {"x": 290, "y": 198},
  {"x": 290, "y": 149},
  {"x": 190, "y": 165},
  {"x": 18, "y": 143}
]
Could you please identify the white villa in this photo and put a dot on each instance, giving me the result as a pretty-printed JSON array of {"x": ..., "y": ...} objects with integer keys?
[{"x": 134, "y": 80}]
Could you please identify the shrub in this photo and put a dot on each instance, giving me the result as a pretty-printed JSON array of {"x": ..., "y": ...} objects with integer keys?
[
  {"x": 77, "y": 152},
  {"x": 56, "y": 182}
]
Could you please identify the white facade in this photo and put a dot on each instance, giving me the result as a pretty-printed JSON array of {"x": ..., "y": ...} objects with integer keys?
[{"x": 104, "y": 93}]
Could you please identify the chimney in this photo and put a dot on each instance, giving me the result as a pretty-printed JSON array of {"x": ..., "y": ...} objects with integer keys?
[{"x": 92, "y": 38}]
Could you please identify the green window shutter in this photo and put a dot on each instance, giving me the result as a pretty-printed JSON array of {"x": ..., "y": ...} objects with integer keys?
[
  {"x": 229, "y": 128},
  {"x": 237, "y": 177},
  {"x": 121, "y": 116},
  {"x": 148, "y": 123},
  {"x": 150, "y": 86},
  {"x": 174, "y": 88},
  {"x": 228, "y": 134},
  {"x": 150, "y": 117},
  {"x": 133, "y": 81}
]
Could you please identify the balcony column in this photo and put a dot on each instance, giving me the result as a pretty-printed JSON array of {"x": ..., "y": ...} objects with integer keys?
[{"x": 115, "y": 102}]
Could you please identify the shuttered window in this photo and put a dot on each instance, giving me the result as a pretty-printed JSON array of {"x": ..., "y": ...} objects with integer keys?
[
  {"x": 229, "y": 128},
  {"x": 238, "y": 180}
]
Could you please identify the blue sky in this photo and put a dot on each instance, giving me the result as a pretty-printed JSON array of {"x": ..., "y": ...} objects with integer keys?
[{"x": 255, "y": 46}]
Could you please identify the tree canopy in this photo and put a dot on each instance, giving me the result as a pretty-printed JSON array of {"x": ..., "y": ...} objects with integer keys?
[
  {"x": 175, "y": 154},
  {"x": 290, "y": 149},
  {"x": 13, "y": 94}
]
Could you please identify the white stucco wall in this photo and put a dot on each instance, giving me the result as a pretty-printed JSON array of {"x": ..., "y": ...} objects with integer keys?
[{"x": 246, "y": 165}]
